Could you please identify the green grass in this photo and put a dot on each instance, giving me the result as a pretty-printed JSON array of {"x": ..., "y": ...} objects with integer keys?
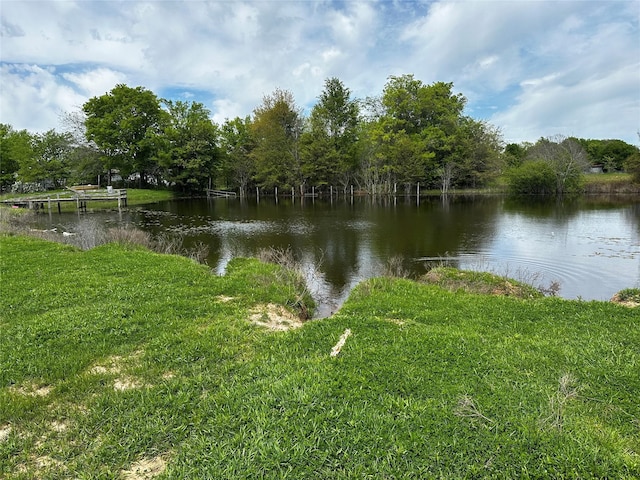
[
  {"x": 116, "y": 356},
  {"x": 610, "y": 183}
]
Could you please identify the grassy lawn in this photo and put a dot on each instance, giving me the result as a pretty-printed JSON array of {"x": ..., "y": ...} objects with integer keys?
[{"x": 117, "y": 360}]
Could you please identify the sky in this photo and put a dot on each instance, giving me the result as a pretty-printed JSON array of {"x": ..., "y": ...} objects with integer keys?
[{"x": 531, "y": 68}]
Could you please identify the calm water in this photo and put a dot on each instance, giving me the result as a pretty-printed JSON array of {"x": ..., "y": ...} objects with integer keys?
[{"x": 590, "y": 246}]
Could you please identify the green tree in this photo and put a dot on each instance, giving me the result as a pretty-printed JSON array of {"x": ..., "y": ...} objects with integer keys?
[
  {"x": 566, "y": 157},
  {"x": 416, "y": 131},
  {"x": 276, "y": 129},
  {"x": 515, "y": 153},
  {"x": 477, "y": 153},
  {"x": 610, "y": 154},
  {"x": 238, "y": 166},
  {"x": 632, "y": 166},
  {"x": 15, "y": 150},
  {"x": 49, "y": 162},
  {"x": 84, "y": 160},
  {"x": 188, "y": 155},
  {"x": 125, "y": 125},
  {"x": 330, "y": 141}
]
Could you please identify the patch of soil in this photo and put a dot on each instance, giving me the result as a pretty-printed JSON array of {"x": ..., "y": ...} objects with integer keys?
[
  {"x": 145, "y": 469},
  {"x": 625, "y": 303},
  {"x": 224, "y": 298},
  {"x": 126, "y": 383},
  {"x": 32, "y": 390},
  {"x": 5, "y": 431},
  {"x": 274, "y": 317},
  {"x": 59, "y": 427},
  {"x": 114, "y": 363}
]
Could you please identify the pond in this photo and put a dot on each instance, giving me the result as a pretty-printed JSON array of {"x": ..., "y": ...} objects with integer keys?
[{"x": 590, "y": 246}]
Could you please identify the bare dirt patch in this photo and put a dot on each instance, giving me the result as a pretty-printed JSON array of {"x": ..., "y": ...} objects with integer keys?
[
  {"x": 59, "y": 427},
  {"x": 115, "y": 364},
  {"x": 126, "y": 383},
  {"x": 631, "y": 303},
  {"x": 33, "y": 390},
  {"x": 145, "y": 469},
  {"x": 5, "y": 431},
  {"x": 274, "y": 317},
  {"x": 397, "y": 321},
  {"x": 224, "y": 298}
]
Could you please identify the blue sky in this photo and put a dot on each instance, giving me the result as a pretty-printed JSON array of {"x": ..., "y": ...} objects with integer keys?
[{"x": 531, "y": 68}]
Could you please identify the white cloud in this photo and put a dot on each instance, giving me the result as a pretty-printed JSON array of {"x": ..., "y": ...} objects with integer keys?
[
  {"x": 604, "y": 106},
  {"x": 225, "y": 109},
  {"x": 33, "y": 98},
  {"x": 528, "y": 66},
  {"x": 92, "y": 83}
]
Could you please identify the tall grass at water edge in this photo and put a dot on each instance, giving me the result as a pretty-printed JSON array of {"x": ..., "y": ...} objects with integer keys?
[{"x": 118, "y": 360}]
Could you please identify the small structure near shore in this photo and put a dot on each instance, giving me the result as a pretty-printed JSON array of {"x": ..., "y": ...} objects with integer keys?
[{"x": 80, "y": 194}]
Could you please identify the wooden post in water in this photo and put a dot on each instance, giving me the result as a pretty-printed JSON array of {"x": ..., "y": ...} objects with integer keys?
[{"x": 418, "y": 194}]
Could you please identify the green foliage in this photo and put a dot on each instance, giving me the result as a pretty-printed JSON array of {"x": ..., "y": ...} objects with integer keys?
[
  {"x": 477, "y": 153},
  {"x": 567, "y": 159},
  {"x": 329, "y": 142},
  {"x": 115, "y": 357},
  {"x": 412, "y": 133},
  {"x": 532, "y": 177},
  {"x": 15, "y": 149},
  {"x": 610, "y": 154},
  {"x": 632, "y": 166},
  {"x": 237, "y": 167},
  {"x": 125, "y": 124},
  {"x": 51, "y": 152},
  {"x": 188, "y": 152},
  {"x": 276, "y": 129},
  {"x": 514, "y": 154}
]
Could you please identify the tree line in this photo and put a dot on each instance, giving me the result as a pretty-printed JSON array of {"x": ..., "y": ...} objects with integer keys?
[{"x": 412, "y": 133}]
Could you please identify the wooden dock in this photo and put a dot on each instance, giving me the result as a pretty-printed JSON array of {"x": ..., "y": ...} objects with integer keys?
[
  {"x": 79, "y": 194},
  {"x": 219, "y": 193}
]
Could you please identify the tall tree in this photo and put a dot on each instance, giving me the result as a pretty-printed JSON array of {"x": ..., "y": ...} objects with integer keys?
[
  {"x": 330, "y": 141},
  {"x": 416, "y": 131},
  {"x": 15, "y": 150},
  {"x": 84, "y": 160},
  {"x": 125, "y": 124},
  {"x": 477, "y": 153},
  {"x": 276, "y": 129},
  {"x": 238, "y": 167},
  {"x": 189, "y": 154},
  {"x": 48, "y": 165}
]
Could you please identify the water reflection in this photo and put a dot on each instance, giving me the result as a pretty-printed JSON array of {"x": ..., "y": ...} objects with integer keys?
[{"x": 591, "y": 246}]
